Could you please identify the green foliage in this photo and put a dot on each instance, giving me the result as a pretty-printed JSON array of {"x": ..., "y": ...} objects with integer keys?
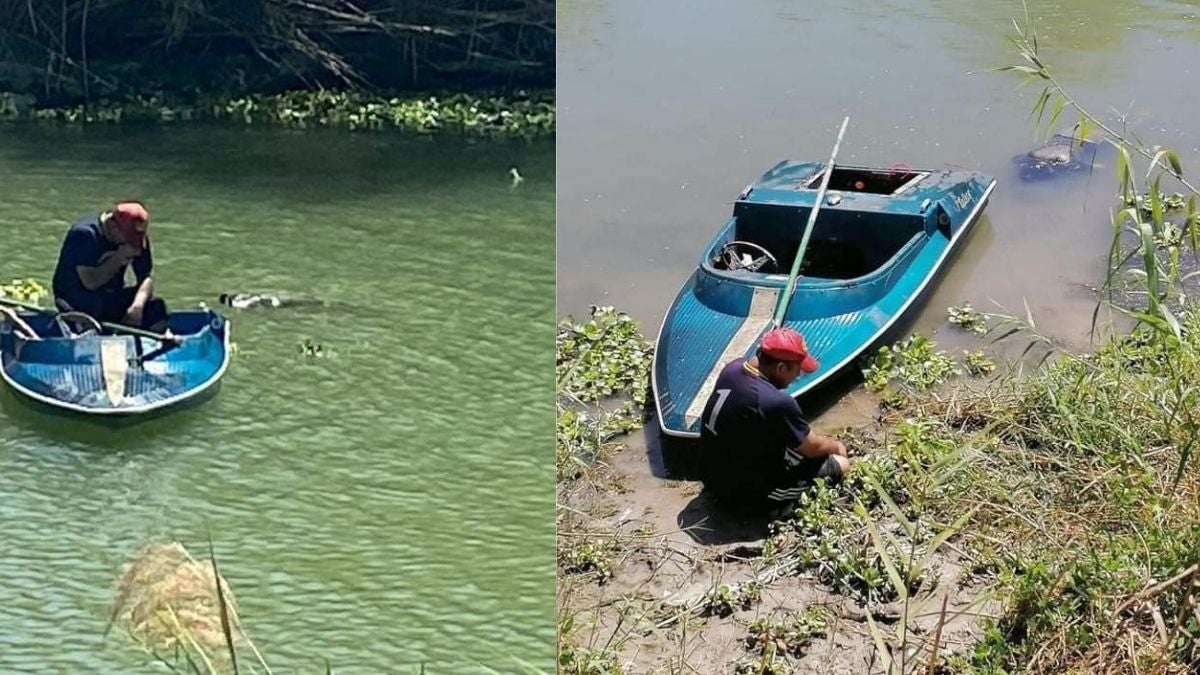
[
  {"x": 576, "y": 659},
  {"x": 725, "y": 600},
  {"x": 596, "y": 362},
  {"x": 603, "y": 357},
  {"x": 968, "y": 318},
  {"x": 526, "y": 115},
  {"x": 913, "y": 364},
  {"x": 24, "y": 290},
  {"x": 977, "y": 363},
  {"x": 589, "y": 556},
  {"x": 790, "y": 636},
  {"x": 773, "y": 642},
  {"x": 826, "y": 537}
]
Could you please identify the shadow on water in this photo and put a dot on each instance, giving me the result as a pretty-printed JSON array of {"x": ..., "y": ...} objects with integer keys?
[{"x": 101, "y": 433}]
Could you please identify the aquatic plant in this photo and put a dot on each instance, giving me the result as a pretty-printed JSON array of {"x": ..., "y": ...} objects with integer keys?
[
  {"x": 977, "y": 363},
  {"x": 914, "y": 364},
  {"x": 25, "y": 290},
  {"x": 596, "y": 361},
  {"x": 968, "y": 318},
  {"x": 519, "y": 115}
]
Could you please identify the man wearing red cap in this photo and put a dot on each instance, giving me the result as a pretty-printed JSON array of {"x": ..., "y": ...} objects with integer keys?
[
  {"x": 756, "y": 448},
  {"x": 90, "y": 275}
]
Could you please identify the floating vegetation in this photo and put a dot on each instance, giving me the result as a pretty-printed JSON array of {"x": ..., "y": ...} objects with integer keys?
[
  {"x": 596, "y": 361},
  {"x": 312, "y": 350},
  {"x": 521, "y": 115},
  {"x": 913, "y": 363},
  {"x": 24, "y": 290},
  {"x": 1145, "y": 202},
  {"x": 968, "y": 318},
  {"x": 977, "y": 363}
]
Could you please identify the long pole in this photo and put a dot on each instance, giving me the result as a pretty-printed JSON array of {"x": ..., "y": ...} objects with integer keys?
[{"x": 788, "y": 290}]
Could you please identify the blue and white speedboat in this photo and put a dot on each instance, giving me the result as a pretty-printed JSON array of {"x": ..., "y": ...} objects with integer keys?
[
  {"x": 72, "y": 363},
  {"x": 878, "y": 241}
]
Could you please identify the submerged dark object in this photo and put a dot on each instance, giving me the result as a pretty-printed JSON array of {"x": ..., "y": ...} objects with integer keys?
[{"x": 1061, "y": 154}]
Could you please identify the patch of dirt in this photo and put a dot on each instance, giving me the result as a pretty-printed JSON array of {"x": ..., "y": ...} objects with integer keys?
[{"x": 672, "y": 546}]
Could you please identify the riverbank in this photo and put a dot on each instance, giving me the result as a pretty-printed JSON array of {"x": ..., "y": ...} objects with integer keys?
[
  {"x": 1043, "y": 523},
  {"x": 521, "y": 114}
]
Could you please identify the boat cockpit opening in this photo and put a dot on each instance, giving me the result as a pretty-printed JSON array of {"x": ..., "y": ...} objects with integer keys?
[
  {"x": 844, "y": 244},
  {"x": 874, "y": 181}
]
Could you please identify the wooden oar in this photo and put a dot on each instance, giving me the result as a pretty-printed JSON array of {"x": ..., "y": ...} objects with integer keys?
[
  {"x": 114, "y": 327},
  {"x": 781, "y": 308}
]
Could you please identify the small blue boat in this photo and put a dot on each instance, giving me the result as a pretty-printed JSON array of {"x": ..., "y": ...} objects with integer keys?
[
  {"x": 879, "y": 239},
  {"x": 105, "y": 370}
]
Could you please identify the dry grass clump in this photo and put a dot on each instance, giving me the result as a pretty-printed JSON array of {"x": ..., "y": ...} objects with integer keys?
[{"x": 180, "y": 610}]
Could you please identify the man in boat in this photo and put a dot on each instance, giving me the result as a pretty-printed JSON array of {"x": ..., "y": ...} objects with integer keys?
[
  {"x": 92, "y": 264},
  {"x": 756, "y": 448}
]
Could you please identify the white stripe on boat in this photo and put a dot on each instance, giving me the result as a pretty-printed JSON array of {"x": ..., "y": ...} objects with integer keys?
[
  {"x": 114, "y": 365},
  {"x": 762, "y": 307}
]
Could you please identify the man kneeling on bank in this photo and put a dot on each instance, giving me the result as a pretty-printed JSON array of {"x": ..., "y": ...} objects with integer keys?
[
  {"x": 90, "y": 275},
  {"x": 756, "y": 448}
]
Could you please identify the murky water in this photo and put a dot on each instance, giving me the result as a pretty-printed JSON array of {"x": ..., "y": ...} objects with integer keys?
[
  {"x": 386, "y": 506},
  {"x": 668, "y": 109}
]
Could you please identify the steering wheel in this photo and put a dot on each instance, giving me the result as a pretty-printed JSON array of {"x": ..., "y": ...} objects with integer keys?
[
  {"x": 731, "y": 255},
  {"x": 91, "y": 326}
]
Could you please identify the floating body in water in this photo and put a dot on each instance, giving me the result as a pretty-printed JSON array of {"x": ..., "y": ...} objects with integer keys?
[
  {"x": 1062, "y": 154},
  {"x": 252, "y": 300}
]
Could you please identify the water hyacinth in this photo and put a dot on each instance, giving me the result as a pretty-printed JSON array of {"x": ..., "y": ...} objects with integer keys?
[
  {"x": 24, "y": 290},
  {"x": 522, "y": 114}
]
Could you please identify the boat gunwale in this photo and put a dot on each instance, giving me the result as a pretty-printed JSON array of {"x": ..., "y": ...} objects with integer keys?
[
  {"x": 959, "y": 234},
  {"x": 134, "y": 410}
]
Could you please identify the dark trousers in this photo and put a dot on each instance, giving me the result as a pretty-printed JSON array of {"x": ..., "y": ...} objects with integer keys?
[{"x": 111, "y": 306}]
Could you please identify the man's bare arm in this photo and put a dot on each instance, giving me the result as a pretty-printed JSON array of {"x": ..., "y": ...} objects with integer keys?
[{"x": 816, "y": 446}]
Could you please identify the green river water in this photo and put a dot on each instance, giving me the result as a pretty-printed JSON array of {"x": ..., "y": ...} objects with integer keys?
[{"x": 386, "y": 506}]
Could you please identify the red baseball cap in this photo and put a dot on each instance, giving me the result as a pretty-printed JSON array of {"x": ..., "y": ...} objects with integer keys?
[
  {"x": 132, "y": 220},
  {"x": 785, "y": 344}
]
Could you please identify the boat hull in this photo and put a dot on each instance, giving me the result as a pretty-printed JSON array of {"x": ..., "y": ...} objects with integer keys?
[{"x": 115, "y": 375}]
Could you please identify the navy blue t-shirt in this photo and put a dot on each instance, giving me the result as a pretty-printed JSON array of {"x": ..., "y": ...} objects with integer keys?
[
  {"x": 85, "y": 244},
  {"x": 747, "y": 432}
]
